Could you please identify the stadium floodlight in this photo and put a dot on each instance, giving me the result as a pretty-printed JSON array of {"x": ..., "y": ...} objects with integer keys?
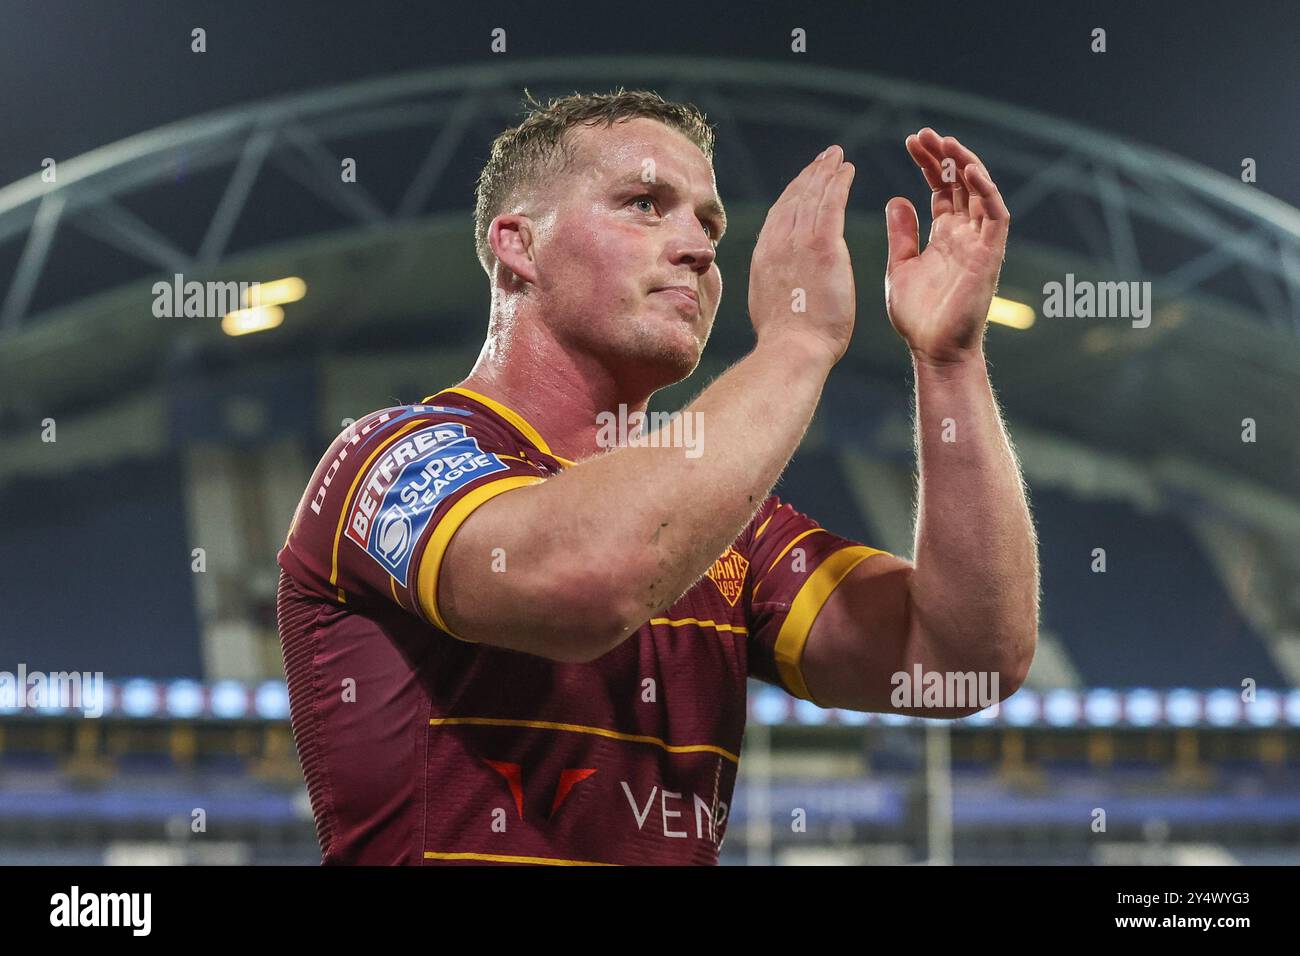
[
  {"x": 1102, "y": 707},
  {"x": 806, "y": 712},
  {"x": 1008, "y": 312},
  {"x": 1142, "y": 707},
  {"x": 229, "y": 699},
  {"x": 1265, "y": 710},
  {"x": 770, "y": 706},
  {"x": 1021, "y": 709},
  {"x": 184, "y": 699},
  {"x": 271, "y": 701},
  {"x": 277, "y": 292},
  {"x": 1183, "y": 707},
  {"x": 1061, "y": 707},
  {"x": 140, "y": 698},
  {"x": 259, "y": 318},
  {"x": 1223, "y": 708},
  {"x": 1293, "y": 708}
]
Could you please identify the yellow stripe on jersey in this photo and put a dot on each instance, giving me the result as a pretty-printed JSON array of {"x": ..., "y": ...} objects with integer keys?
[
  {"x": 763, "y": 527},
  {"x": 784, "y": 551},
  {"x": 431, "y": 562},
  {"x": 733, "y": 628},
  {"x": 581, "y": 729},
  {"x": 510, "y": 415},
  {"x": 347, "y": 500},
  {"x": 502, "y": 858},
  {"x": 792, "y": 637}
]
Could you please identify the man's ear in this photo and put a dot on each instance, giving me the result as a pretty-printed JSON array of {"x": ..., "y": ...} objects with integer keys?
[{"x": 511, "y": 237}]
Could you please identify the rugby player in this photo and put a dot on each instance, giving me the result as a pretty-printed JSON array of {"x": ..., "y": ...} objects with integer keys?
[{"x": 507, "y": 644}]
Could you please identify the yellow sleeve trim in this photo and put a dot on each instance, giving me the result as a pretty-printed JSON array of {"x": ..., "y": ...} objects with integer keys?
[
  {"x": 807, "y": 604},
  {"x": 784, "y": 551},
  {"x": 509, "y": 414},
  {"x": 503, "y": 858},
  {"x": 431, "y": 562},
  {"x": 347, "y": 499}
]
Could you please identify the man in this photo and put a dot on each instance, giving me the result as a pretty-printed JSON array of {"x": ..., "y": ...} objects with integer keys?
[{"x": 506, "y": 643}]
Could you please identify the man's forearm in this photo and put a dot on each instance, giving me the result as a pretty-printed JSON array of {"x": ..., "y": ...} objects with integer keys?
[
  {"x": 673, "y": 514},
  {"x": 974, "y": 590},
  {"x": 626, "y": 533}
]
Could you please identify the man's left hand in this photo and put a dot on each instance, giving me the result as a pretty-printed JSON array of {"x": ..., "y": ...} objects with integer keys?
[{"x": 938, "y": 300}]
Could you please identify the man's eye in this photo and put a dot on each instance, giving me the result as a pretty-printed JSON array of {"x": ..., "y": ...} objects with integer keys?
[{"x": 647, "y": 198}]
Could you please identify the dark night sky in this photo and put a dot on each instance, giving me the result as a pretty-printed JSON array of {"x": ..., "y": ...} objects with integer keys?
[{"x": 1212, "y": 82}]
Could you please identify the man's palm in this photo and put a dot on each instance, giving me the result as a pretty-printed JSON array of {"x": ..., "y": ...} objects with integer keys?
[{"x": 938, "y": 299}]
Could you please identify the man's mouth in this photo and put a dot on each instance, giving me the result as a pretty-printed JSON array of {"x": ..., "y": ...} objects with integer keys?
[{"x": 685, "y": 295}]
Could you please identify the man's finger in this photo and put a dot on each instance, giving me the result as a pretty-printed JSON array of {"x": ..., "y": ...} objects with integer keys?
[
  {"x": 942, "y": 198},
  {"x": 984, "y": 187},
  {"x": 904, "y": 232},
  {"x": 806, "y": 203},
  {"x": 927, "y": 161},
  {"x": 960, "y": 198},
  {"x": 784, "y": 207},
  {"x": 963, "y": 156},
  {"x": 830, "y": 214}
]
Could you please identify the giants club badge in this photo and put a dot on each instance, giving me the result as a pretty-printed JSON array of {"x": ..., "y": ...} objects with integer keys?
[
  {"x": 728, "y": 573},
  {"x": 405, "y": 486}
]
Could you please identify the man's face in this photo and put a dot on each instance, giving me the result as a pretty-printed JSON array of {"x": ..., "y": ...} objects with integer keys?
[{"x": 639, "y": 212}]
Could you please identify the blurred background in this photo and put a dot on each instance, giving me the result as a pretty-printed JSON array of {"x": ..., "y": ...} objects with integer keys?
[{"x": 149, "y": 465}]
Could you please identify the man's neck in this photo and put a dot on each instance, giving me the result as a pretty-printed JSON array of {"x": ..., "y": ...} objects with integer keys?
[{"x": 558, "y": 393}]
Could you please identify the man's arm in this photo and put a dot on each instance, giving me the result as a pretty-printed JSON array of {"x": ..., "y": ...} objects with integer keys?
[
  {"x": 970, "y": 600},
  {"x": 596, "y": 551}
]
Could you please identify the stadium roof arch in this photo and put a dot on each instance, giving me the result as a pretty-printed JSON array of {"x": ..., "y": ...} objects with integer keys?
[{"x": 255, "y": 192}]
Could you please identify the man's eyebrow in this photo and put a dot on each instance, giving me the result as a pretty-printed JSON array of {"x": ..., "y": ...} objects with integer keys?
[{"x": 712, "y": 207}]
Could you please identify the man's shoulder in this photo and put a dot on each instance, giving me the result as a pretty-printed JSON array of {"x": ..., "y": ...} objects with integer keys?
[
  {"x": 393, "y": 437},
  {"x": 388, "y": 475},
  {"x": 442, "y": 407},
  {"x": 760, "y": 522}
]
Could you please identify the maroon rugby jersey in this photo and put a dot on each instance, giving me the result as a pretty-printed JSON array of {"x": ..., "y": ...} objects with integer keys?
[{"x": 419, "y": 747}]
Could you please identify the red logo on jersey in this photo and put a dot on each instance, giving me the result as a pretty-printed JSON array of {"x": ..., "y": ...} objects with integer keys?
[
  {"x": 728, "y": 573},
  {"x": 514, "y": 775}
]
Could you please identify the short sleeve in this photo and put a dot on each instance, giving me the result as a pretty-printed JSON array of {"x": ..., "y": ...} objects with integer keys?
[
  {"x": 389, "y": 495},
  {"x": 795, "y": 564}
]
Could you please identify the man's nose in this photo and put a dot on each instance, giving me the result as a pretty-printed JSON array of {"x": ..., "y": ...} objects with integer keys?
[{"x": 696, "y": 250}]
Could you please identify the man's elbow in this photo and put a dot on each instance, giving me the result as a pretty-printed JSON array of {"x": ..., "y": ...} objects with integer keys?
[
  {"x": 1019, "y": 658},
  {"x": 1005, "y": 651},
  {"x": 590, "y": 610},
  {"x": 1003, "y": 662}
]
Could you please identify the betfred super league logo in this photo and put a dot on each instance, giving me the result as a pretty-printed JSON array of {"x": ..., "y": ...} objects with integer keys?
[
  {"x": 404, "y": 487},
  {"x": 728, "y": 573}
]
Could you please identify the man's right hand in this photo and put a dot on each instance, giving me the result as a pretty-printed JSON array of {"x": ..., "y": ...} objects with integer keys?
[{"x": 801, "y": 246}]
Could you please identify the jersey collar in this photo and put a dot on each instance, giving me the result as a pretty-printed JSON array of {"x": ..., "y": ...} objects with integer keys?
[{"x": 510, "y": 415}]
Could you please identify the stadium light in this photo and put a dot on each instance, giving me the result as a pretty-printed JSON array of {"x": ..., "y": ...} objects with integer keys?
[
  {"x": 277, "y": 292},
  {"x": 256, "y": 319},
  {"x": 1008, "y": 312}
]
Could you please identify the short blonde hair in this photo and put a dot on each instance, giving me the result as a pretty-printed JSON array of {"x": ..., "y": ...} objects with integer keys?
[{"x": 539, "y": 148}]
